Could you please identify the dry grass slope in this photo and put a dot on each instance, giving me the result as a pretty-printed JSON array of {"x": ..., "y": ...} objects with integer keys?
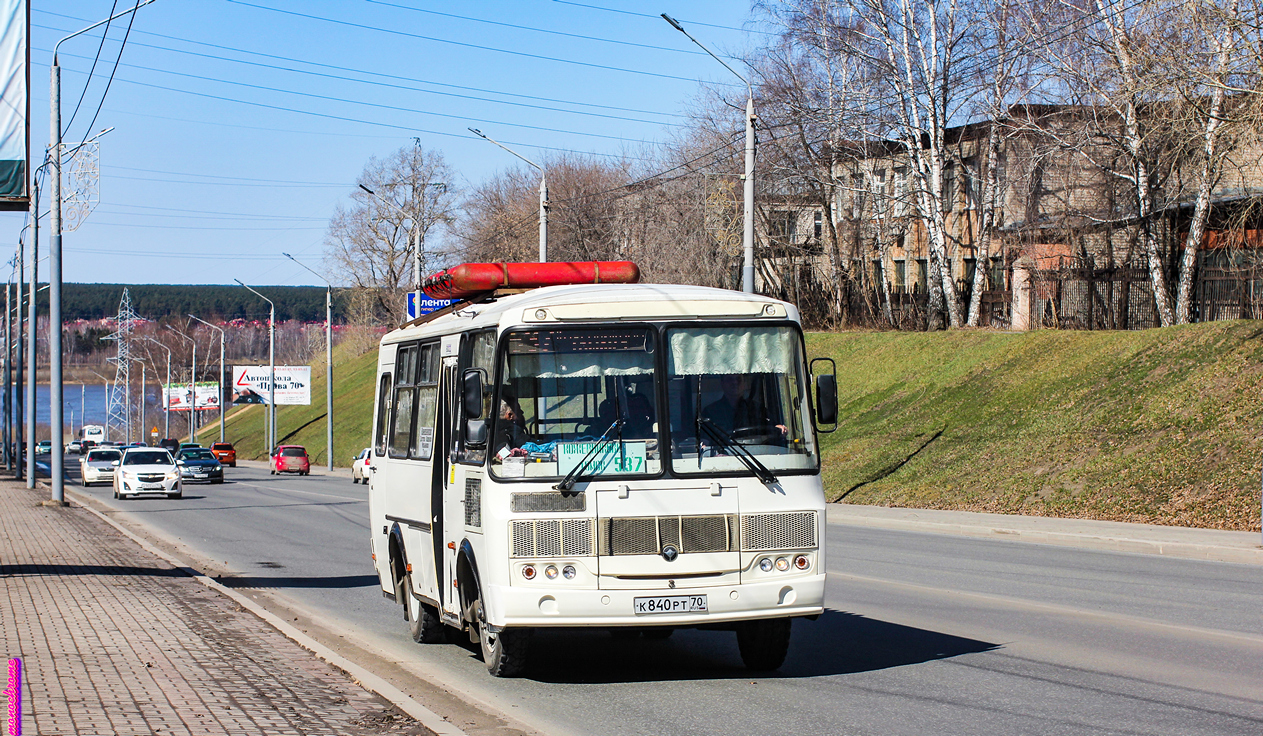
[{"x": 1158, "y": 426}]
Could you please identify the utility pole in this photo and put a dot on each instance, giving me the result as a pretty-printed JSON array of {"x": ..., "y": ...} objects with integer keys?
[
  {"x": 54, "y": 256},
  {"x": 220, "y": 382},
  {"x": 32, "y": 365},
  {"x": 747, "y": 270},
  {"x": 19, "y": 401},
  {"x": 544, "y": 206},
  {"x": 271, "y": 430},
  {"x": 192, "y": 387}
]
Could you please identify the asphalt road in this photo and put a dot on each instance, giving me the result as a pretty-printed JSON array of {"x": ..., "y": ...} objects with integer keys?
[{"x": 925, "y": 634}]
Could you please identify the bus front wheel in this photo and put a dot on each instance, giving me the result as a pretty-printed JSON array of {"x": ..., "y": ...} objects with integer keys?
[
  {"x": 423, "y": 620},
  {"x": 764, "y": 643},
  {"x": 504, "y": 652}
]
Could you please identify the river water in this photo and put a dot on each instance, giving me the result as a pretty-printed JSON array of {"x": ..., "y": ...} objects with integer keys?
[{"x": 87, "y": 404}]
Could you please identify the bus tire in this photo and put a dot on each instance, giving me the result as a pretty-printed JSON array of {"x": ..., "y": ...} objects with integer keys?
[
  {"x": 505, "y": 652},
  {"x": 423, "y": 619},
  {"x": 764, "y": 643}
]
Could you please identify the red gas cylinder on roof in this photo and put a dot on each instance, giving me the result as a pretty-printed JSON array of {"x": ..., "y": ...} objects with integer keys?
[{"x": 475, "y": 279}]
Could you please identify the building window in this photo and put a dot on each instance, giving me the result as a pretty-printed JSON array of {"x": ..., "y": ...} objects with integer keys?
[
  {"x": 879, "y": 274},
  {"x": 901, "y": 276},
  {"x": 923, "y": 280},
  {"x": 781, "y": 227},
  {"x": 818, "y": 228},
  {"x": 949, "y": 188},
  {"x": 901, "y": 205}
]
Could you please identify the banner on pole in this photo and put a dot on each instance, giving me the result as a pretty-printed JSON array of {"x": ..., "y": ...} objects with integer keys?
[
  {"x": 176, "y": 396},
  {"x": 15, "y": 104},
  {"x": 293, "y": 385}
]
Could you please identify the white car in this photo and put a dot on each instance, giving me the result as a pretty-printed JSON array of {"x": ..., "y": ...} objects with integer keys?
[
  {"x": 146, "y": 470},
  {"x": 362, "y": 468},
  {"x": 98, "y": 466}
]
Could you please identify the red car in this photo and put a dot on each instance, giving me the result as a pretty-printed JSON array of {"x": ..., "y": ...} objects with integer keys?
[{"x": 290, "y": 459}]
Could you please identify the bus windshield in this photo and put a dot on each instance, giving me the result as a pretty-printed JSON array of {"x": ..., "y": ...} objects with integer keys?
[
  {"x": 577, "y": 398},
  {"x": 737, "y": 392}
]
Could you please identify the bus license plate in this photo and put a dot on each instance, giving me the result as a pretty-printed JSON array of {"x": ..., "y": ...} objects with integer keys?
[{"x": 670, "y": 604}]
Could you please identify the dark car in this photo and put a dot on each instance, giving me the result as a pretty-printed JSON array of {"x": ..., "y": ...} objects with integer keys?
[
  {"x": 199, "y": 464},
  {"x": 169, "y": 444}
]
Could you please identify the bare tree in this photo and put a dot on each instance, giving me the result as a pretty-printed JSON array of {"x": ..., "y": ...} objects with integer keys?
[{"x": 369, "y": 241}]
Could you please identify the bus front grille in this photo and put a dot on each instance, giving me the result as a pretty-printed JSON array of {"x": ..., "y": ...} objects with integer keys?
[
  {"x": 552, "y": 538},
  {"x": 647, "y": 535},
  {"x": 794, "y": 530}
]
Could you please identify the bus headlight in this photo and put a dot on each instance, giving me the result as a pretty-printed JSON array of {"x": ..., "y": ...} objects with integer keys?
[
  {"x": 528, "y": 572},
  {"x": 550, "y": 572},
  {"x": 568, "y": 572},
  {"x": 782, "y": 563},
  {"x": 802, "y": 562},
  {"x": 765, "y": 564}
]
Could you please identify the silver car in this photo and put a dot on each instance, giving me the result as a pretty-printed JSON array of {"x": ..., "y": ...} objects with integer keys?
[
  {"x": 146, "y": 470},
  {"x": 98, "y": 466}
]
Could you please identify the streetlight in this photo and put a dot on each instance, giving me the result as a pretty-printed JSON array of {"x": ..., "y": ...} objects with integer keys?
[
  {"x": 414, "y": 235},
  {"x": 271, "y": 429},
  {"x": 543, "y": 194},
  {"x": 54, "y": 275},
  {"x": 166, "y": 427},
  {"x": 220, "y": 382},
  {"x": 328, "y": 357},
  {"x": 192, "y": 387},
  {"x": 747, "y": 271}
]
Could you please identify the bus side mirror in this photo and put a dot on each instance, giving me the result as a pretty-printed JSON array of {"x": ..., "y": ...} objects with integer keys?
[
  {"x": 826, "y": 404},
  {"x": 471, "y": 393}
]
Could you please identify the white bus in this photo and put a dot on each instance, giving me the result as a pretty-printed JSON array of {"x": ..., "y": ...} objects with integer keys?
[
  {"x": 633, "y": 457},
  {"x": 94, "y": 432}
]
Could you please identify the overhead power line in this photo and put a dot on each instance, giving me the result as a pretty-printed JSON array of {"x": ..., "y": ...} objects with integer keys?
[
  {"x": 336, "y": 67},
  {"x": 100, "y": 47},
  {"x": 434, "y": 39}
]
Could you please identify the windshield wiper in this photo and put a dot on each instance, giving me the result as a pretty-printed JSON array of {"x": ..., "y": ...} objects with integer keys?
[
  {"x": 568, "y": 482},
  {"x": 738, "y": 450}
]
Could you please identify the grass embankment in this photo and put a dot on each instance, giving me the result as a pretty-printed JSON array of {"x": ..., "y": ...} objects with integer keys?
[
  {"x": 1160, "y": 426},
  {"x": 353, "y": 379}
]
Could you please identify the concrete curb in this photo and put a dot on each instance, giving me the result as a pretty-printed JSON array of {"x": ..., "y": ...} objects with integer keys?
[
  {"x": 400, "y": 699},
  {"x": 1196, "y": 544}
]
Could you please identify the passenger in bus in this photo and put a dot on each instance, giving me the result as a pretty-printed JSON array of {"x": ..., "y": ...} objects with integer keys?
[
  {"x": 638, "y": 416},
  {"x": 511, "y": 431},
  {"x": 737, "y": 412}
]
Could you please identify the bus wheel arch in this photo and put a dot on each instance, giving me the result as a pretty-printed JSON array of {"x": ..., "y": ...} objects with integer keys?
[{"x": 398, "y": 564}]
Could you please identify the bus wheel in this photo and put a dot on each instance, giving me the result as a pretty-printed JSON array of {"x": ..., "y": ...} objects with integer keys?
[
  {"x": 504, "y": 653},
  {"x": 423, "y": 619},
  {"x": 764, "y": 643}
]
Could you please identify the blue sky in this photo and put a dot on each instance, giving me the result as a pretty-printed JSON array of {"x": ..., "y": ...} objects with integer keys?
[{"x": 240, "y": 124}]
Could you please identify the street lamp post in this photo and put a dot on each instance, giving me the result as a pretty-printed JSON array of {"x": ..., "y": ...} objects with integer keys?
[
  {"x": 747, "y": 270},
  {"x": 192, "y": 387},
  {"x": 19, "y": 402},
  {"x": 166, "y": 428},
  {"x": 543, "y": 194},
  {"x": 328, "y": 358},
  {"x": 54, "y": 256},
  {"x": 220, "y": 382},
  {"x": 31, "y": 342},
  {"x": 271, "y": 431}
]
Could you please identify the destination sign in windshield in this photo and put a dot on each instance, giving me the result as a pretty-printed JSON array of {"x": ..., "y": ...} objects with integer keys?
[{"x": 578, "y": 341}]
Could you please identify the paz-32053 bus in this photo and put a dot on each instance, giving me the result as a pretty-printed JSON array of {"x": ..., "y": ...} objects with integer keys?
[{"x": 627, "y": 456}]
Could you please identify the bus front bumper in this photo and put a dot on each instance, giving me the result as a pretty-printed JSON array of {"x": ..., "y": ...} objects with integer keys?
[{"x": 537, "y": 606}]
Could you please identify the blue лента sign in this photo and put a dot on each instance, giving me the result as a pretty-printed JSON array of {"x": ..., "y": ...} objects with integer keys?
[{"x": 419, "y": 304}]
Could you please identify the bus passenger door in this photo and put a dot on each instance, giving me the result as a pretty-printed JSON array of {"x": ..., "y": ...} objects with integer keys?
[{"x": 447, "y": 509}]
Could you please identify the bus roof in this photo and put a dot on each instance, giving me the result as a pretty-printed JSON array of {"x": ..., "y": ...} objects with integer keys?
[{"x": 586, "y": 303}]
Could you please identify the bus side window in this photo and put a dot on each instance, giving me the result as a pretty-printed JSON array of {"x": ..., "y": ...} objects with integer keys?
[
  {"x": 427, "y": 402},
  {"x": 405, "y": 401},
  {"x": 383, "y": 414},
  {"x": 481, "y": 349}
]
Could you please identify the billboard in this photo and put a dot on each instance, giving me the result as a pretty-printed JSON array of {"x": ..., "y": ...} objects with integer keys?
[
  {"x": 419, "y": 304},
  {"x": 250, "y": 384},
  {"x": 15, "y": 103},
  {"x": 176, "y": 396}
]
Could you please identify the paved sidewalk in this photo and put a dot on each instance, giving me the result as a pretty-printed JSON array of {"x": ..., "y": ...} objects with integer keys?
[
  {"x": 1172, "y": 541},
  {"x": 115, "y": 640}
]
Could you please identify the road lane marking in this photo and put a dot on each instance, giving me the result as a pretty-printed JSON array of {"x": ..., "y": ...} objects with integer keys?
[{"x": 1021, "y": 603}]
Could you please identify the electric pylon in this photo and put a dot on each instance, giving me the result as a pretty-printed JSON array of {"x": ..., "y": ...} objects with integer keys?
[{"x": 119, "y": 412}]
